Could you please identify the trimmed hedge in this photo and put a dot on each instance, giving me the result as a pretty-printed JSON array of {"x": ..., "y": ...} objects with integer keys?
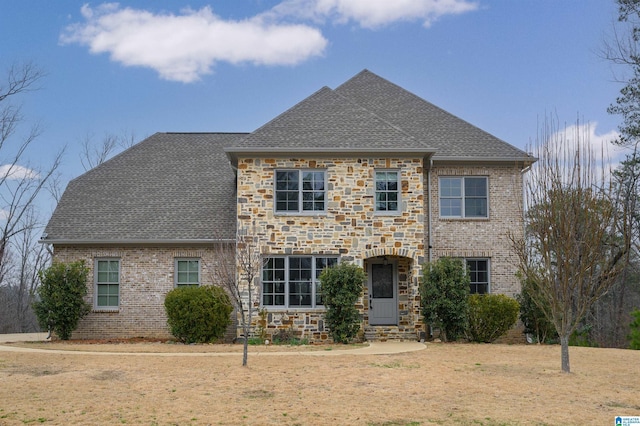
[
  {"x": 342, "y": 285},
  {"x": 490, "y": 316},
  {"x": 444, "y": 290},
  {"x": 198, "y": 314}
]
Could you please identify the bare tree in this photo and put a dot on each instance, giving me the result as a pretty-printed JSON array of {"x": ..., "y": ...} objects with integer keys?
[
  {"x": 94, "y": 153},
  {"x": 20, "y": 184},
  {"x": 30, "y": 257},
  {"x": 578, "y": 236},
  {"x": 237, "y": 269}
]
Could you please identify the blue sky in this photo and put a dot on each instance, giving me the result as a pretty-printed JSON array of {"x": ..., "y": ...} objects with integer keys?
[{"x": 142, "y": 67}]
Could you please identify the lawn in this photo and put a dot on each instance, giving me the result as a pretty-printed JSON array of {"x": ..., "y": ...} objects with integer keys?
[{"x": 444, "y": 384}]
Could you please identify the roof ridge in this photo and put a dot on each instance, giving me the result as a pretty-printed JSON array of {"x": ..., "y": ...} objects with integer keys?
[{"x": 387, "y": 122}]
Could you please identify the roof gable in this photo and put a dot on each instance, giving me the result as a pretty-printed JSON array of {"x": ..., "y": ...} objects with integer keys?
[
  {"x": 327, "y": 120},
  {"x": 452, "y": 137}
]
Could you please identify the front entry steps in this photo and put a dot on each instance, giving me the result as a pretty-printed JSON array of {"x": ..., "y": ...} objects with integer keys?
[{"x": 382, "y": 333}]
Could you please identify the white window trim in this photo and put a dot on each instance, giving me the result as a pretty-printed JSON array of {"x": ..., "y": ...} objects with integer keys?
[
  {"x": 313, "y": 306},
  {"x": 96, "y": 307},
  {"x": 463, "y": 197},
  {"x": 175, "y": 270},
  {"x": 300, "y": 211},
  {"x": 397, "y": 212}
]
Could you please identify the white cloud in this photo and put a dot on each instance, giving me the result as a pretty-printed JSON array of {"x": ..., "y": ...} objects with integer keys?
[
  {"x": 602, "y": 145},
  {"x": 374, "y": 13},
  {"x": 185, "y": 47},
  {"x": 15, "y": 172}
]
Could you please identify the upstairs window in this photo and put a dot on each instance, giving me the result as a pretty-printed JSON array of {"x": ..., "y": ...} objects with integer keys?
[
  {"x": 300, "y": 191},
  {"x": 464, "y": 197},
  {"x": 187, "y": 272},
  {"x": 387, "y": 191}
]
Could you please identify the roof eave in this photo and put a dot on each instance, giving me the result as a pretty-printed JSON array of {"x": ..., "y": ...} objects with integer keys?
[
  {"x": 528, "y": 160},
  {"x": 197, "y": 241},
  {"x": 233, "y": 153}
]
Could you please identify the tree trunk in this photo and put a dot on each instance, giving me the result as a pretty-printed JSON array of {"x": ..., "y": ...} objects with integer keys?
[{"x": 564, "y": 348}]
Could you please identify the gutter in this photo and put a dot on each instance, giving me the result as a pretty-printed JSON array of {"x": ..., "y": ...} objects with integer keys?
[
  {"x": 136, "y": 242},
  {"x": 234, "y": 152}
]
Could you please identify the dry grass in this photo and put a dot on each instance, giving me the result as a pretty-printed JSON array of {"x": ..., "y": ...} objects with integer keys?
[{"x": 444, "y": 384}]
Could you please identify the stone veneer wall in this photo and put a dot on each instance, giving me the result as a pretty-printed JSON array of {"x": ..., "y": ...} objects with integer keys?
[
  {"x": 350, "y": 228},
  {"x": 483, "y": 238},
  {"x": 146, "y": 276}
]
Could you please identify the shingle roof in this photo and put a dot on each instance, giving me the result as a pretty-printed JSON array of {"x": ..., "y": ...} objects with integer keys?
[
  {"x": 171, "y": 186},
  {"x": 369, "y": 112},
  {"x": 178, "y": 187},
  {"x": 328, "y": 120},
  {"x": 449, "y": 135}
]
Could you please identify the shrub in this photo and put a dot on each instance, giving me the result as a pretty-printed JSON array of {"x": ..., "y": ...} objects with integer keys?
[
  {"x": 444, "y": 290},
  {"x": 342, "y": 285},
  {"x": 634, "y": 336},
  {"x": 61, "y": 302},
  {"x": 534, "y": 320},
  {"x": 198, "y": 314},
  {"x": 490, "y": 316}
]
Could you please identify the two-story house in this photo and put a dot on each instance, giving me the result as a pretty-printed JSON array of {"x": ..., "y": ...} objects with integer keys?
[{"x": 367, "y": 173}]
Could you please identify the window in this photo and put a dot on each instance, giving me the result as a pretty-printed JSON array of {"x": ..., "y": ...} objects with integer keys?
[
  {"x": 292, "y": 281},
  {"x": 187, "y": 272},
  {"x": 463, "y": 197},
  {"x": 479, "y": 274},
  {"x": 387, "y": 191},
  {"x": 300, "y": 191},
  {"x": 107, "y": 278}
]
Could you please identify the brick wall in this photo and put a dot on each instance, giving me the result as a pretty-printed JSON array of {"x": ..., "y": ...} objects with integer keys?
[
  {"x": 483, "y": 238},
  {"x": 146, "y": 276}
]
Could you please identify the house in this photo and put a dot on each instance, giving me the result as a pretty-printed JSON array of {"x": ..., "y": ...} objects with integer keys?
[{"x": 367, "y": 173}]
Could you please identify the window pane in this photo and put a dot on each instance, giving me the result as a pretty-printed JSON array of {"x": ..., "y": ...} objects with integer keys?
[
  {"x": 451, "y": 207},
  {"x": 188, "y": 272},
  {"x": 479, "y": 276},
  {"x": 382, "y": 285},
  {"x": 475, "y": 187},
  {"x": 273, "y": 282},
  {"x": 386, "y": 191},
  {"x": 287, "y": 186},
  {"x": 450, "y": 187},
  {"x": 313, "y": 191},
  {"x": 475, "y": 207}
]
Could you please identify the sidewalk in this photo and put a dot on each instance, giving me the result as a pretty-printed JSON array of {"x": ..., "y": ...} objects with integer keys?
[
  {"x": 374, "y": 348},
  {"x": 23, "y": 337}
]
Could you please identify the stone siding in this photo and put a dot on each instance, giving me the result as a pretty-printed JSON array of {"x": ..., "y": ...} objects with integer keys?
[{"x": 350, "y": 228}]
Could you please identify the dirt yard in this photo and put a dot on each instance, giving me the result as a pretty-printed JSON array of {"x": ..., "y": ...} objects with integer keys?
[{"x": 444, "y": 384}]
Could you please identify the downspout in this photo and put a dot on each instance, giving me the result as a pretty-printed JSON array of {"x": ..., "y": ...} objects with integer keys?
[{"x": 429, "y": 240}]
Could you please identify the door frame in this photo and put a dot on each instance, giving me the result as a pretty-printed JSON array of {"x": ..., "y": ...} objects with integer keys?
[{"x": 394, "y": 274}]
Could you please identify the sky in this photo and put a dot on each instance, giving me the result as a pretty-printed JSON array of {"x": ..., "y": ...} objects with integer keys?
[{"x": 141, "y": 67}]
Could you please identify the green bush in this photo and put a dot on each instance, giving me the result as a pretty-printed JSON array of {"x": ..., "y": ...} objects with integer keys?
[
  {"x": 534, "y": 320},
  {"x": 490, "y": 316},
  {"x": 341, "y": 287},
  {"x": 444, "y": 290},
  {"x": 634, "y": 336},
  {"x": 61, "y": 294},
  {"x": 198, "y": 314}
]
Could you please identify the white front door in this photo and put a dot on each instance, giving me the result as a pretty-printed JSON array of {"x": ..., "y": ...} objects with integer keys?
[{"x": 383, "y": 293}]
